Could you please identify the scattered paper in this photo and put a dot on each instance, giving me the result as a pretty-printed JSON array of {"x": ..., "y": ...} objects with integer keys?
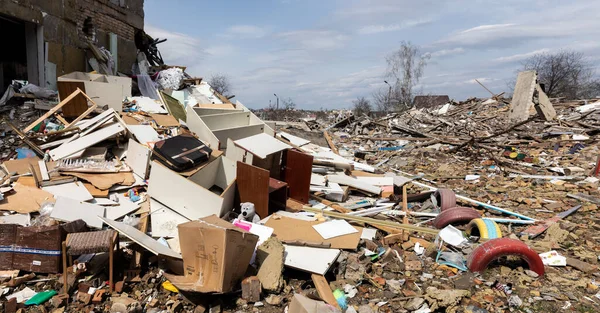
[
  {"x": 334, "y": 229},
  {"x": 419, "y": 249},
  {"x": 580, "y": 137},
  {"x": 472, "y": 177},
  {"x": 552, "y": 258},
  {"x": 22, "y": 295},
  {"x": 452, "y": 236}
]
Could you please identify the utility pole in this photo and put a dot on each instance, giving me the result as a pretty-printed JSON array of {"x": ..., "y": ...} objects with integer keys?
[
  {"x": 277, "y": 107},
  {"x": 389, "y": 98}
]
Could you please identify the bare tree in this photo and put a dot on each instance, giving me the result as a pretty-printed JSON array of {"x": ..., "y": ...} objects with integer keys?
[
  {"x": 221, "y": 84},
  {"x": 405, "y": 68},
  {"x": 565, "y": 74},
  {"x": 361, "y": 106},
  {"x": 288, "y": 104}
]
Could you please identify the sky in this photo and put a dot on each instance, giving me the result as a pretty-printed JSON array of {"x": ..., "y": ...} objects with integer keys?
[{"x": 324, "y": 54}]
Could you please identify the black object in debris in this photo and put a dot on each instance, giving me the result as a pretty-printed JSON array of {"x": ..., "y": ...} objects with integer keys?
[{"x": 181, "y": 152}]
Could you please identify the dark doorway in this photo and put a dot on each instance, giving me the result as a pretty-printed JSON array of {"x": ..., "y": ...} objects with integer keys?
[{"x": 13, "y": 55}]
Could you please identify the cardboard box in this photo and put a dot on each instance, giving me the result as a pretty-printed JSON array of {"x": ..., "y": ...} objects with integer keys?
[
  {"x": 215, "y": 255},
  {"x": 302, "y": 304}
]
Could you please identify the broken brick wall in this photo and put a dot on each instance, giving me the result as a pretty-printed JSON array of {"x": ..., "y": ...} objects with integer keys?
[{"x": 63, "y": 26}]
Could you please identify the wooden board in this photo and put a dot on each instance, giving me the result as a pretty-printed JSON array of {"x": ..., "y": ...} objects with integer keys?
[
  {"x": 324, "y": 290},
  {"x": 26, "y": 198},
  {"x": 544, "y": 107},
  {"x": 144, "y": 133},
  {"x": 174, "y": 107},
  {"x": 77, "y": 105},
  {"x": 68, "y": 210},
  {"x": 262, "y": 145},
  {"x": 95, "y": 192},
  {"x": 236, "y": 133},
  {"x": 165, "y": 120},
  {"x": 138, "y": 158},
  {"x": 201, "y": 111},
  {"x": 164, "y": 220},
  {"x": 74, "y": 190},
  {"x": 308, "y": 259},
  {"x": 105, "y": 181},
  {"x": 81, "y": 143},
  {"x": 293, "y": 139},
  {"x": 21, "y": 166},
  {"x": 196, "y": 125},
  {"x": 183, "y": 195},
  {"x": 226, "y": 120},
  {"x": 291, "y": 229},
  {"x": 253, "y": 186},
  {"x": 140, "y": 238},
  {"x": 297, "y": 174},
  {"x": 353, "y": 182}
]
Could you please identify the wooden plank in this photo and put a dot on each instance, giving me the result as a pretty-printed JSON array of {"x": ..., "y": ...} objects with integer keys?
[
  {"x": 78, "y": 105},
  {"x": 75, "y": 191},
  {"x": 262, "y": 145},
  {"x": 226, "y": 120},
  {"x": 297, "y": 141},
  {"x": 353, "y": 182},
  {"x": 236, "y": 133},
  {"x": 138, "y": 158},
  {"x": 324, "y": 290},
  {"x": 297, "y": 174},
  {"x": 84, "y": 114},
  {"x": 26, "y": 198},
  {"x": 140, "y": 238},
  {"x": 79, "y": 144},
  {"x": 95, "y": 192},
  {"x": 253, "y": 186},
  {"x": 522, "y": 100},
  {"x": 330, "y": 142},
  {"x": 52, "y": 111},
  {"x": 211, "y": 111}
]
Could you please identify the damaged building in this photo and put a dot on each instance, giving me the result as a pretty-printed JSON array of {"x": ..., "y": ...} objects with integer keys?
[{"x": 48, "y": 39}]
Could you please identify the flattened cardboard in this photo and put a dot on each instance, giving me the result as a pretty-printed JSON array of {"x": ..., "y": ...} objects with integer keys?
[
  {"x": 26, "y": 197},
  {"x": 215, "y": 254},
  {"x": 165, "y": 120},
  {"x": 106, "y": 180},
  {"x": 291, "y": 229}
]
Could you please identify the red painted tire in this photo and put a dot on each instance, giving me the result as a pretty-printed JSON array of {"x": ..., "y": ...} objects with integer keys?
[
  {"x": 456, "y": 215},
  {"x": 483, "y": 255},
  {"x": 446, "y": 199}
]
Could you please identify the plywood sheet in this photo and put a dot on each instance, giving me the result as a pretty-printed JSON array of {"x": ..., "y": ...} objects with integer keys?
[
  {"x": 297, "y": 141},
  {"x": 226, "y": 120},
  {"x": 297, "y": 174},
  {"x": 21, "y": 166},
  {"x": 262, "y": 145},
  {"x": 105, "y": 181},
  {"x": 236, "y": 133},
  {"x": 291, "y": 229},
  {"x": 253, "y": 186},
  {"x": 165, "y": 120},
  {"x": 67, "y": 210},
  {"x": 140, "y": 238},
  {"x": 89, "y": 140},
  {"x": 25, "y": 198},
  {"x": 77, "y": 105},
  {"x": 95, "y": 192},
  {"x": 174, "y": 107},
  {"x": 124, "y": 207}
]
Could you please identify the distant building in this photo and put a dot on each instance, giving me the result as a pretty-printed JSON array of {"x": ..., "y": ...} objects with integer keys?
[
  {"x": 44, "y": 39},
  {"x": 421, "y": 102}
]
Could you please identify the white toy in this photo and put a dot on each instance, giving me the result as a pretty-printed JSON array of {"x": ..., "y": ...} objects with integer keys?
[{"x": 248, "y": 213}]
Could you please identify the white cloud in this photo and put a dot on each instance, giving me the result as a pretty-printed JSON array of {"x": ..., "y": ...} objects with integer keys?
[
  {"x": 375, "y": 29},
  {"x": 521, "y": 56},
  {"x": 246, "y": 31},
  {"x": 447, "y": 52},
  {"x": 315, "y": 39},
  {"x": 220, "y": 50},
  {"x": 179, "y": 49}
]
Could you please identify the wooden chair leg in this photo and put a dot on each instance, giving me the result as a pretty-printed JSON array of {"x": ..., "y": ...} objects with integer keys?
[
  {"x": 111, "y": 261},
  {"x": 65, "y": 270}
]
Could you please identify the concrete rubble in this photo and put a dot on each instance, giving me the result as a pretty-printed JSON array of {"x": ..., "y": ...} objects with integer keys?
[{"x": 173, "y": 198}]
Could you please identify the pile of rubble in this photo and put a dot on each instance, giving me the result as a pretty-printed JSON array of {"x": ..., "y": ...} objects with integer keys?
[{"x": 178, "y": 200}]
